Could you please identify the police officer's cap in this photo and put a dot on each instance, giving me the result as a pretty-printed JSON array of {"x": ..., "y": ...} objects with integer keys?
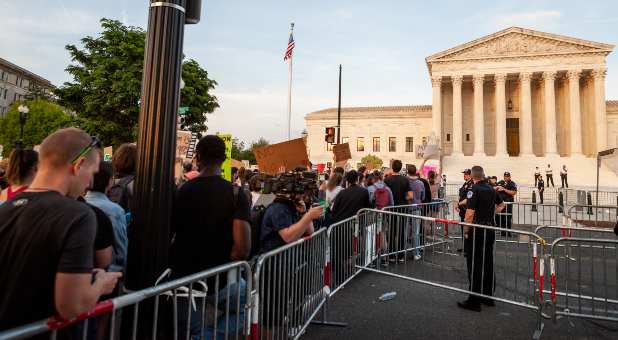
[
  {"x": 467, "y": 171},
  {"x": 508, "y": 174}
]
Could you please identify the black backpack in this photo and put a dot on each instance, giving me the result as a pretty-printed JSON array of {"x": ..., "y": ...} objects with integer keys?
[
  {"x": 257, "y": 216},
  {"x": 120, "y": 192}
]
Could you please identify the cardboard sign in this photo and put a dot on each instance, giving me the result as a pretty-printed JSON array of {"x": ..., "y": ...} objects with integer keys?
[
  {"x": 183, "y": 140},
  {"x": 226, "y": 167},
  {"x": 280, "y": 157},
  {"x": 107, "y": 153},
  {"x": 342, "y": 152}
]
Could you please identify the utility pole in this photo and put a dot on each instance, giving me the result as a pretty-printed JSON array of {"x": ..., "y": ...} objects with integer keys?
[{"x": 339, "y": 110}]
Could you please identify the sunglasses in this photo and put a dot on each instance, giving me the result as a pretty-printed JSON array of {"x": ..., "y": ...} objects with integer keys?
[{"x": 94, "y": 143}]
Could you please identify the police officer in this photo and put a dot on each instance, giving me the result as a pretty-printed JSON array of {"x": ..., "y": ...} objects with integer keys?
[
  {"x": 461, "y": 202},
  {"x": 482, "y": 203},
  {"x": 507, "y": 189}
]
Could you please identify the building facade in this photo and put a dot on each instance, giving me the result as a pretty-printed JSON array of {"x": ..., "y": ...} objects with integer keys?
[
  {"x": 511, "y": 100},
  {"x": 16, "y": 83}
]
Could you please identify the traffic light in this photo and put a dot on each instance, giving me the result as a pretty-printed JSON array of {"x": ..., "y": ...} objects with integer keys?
[{"x": 330, "y": 135}]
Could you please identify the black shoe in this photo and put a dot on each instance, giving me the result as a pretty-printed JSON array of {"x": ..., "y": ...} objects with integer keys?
[
  {"x": 467, "y": 304},
  {"x": 488, "y": 302},
  {"x": 459, "y": 250}
]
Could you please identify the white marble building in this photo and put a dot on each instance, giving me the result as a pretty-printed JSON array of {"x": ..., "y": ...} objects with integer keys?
[{"x": 512, "y": 100}]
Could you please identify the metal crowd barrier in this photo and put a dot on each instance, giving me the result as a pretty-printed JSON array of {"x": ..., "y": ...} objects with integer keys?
[
  {"x": 604, "y": 216},
  {"x": 570, "y": 229},
  {"x": 345, "y": 248},
  {"x": 209, "y": 304},
  {"x": 584, "y": 278},
  {"x": 528, "y": 215},
  {"x": 509, "y": 266},
  {"x": 290, "y": 287}
]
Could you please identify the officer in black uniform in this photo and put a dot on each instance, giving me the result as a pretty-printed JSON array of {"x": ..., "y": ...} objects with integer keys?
[
  {"x": 461, "y": 202},
  {"x": 482, "y": 203},
  {"x": 507, "y": 189}
]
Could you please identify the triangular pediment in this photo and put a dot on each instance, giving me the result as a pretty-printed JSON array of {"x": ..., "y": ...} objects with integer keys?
[{"x": 516, "y": 41}]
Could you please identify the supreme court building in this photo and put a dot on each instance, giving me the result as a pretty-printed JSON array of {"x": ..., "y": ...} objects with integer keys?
[{"x": 511, "y": 100}]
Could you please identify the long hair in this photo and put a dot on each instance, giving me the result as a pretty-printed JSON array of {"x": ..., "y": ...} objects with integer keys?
[
  {"x": 334, "y": 181},
  {"x": 432, "y": 177},
  {"x": 21, "y": 164}
]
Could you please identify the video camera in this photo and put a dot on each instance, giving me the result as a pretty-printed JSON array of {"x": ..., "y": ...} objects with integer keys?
[{"x": 299, "y": 182}]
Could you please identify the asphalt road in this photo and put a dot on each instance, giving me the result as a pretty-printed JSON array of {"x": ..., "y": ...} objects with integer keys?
[{"x": 423, "y": 312}]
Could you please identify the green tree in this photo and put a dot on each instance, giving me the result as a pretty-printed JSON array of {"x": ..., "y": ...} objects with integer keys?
[
  {"x": 372, "y": 162},
  {"x": 44, "y": 118},
  {"x": 238, "y": 147},
  {"x": 106, "y": 86},
  {"x": 195, "y": 95}
]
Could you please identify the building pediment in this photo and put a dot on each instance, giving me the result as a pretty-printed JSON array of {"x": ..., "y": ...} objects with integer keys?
[{"x": 518, "y": 42}]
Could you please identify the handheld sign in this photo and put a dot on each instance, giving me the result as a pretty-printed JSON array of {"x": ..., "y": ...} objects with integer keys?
[
  {"x": 342, "y": 152},
  {"x": 226, "y": 167},
  {"x": 280, "y": 157}
]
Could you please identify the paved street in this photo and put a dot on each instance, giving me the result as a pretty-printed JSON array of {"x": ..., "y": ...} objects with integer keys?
[{"x": 422, "y": 312}]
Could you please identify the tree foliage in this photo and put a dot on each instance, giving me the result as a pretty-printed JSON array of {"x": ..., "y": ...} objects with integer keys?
[
  {"x": 106, "y": 86},
  {"x": 44, "y": 118},
  {"x": 372, "y": 162},
  {"x": 240, "y": 152}
]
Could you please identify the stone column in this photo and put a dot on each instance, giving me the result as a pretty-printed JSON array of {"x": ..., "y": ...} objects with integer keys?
[
  {"x": 479, "y": 123},
  {"x": 600, "y": 108},
  {"x": 525, "y": 128},
  {"x": 436, "y": 106},
  {"x": 457, "y": 116},
  {"x": 500, "y": 115},
  {"x": 575, "y": 113},
  {"x": 551, "y": 145}
]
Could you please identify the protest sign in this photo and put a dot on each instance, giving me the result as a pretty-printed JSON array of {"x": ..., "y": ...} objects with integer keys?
[
  {"x": 342, "y": 152},
  {"x": 281, "y": 157}
]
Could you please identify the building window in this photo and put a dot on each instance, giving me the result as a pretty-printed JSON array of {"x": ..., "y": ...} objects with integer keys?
[
  {"x": 467, "y": 137},
  {"x": 392, "y": 144},
  {"x": 409, "y": 144},
  {"x": 329, "y": 146},
  {"x": 345, "y": 140},
  {"x": 360, "y": 144},
  {"x": 376, "y": 144},
  {"x": 448, "y": 137}
]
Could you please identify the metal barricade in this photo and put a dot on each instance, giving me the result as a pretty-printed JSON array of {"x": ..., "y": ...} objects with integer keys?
[
  {"x": 567, "y": 229},
  {"x": 210, "y": 304},
  {"x": 584, "y": 278},
  {"x": 605, "y": 197},
  {"x": 290, "y": 287},
  {"x": 527, "y": 216},
  {"x": 344, "y": 247},
  {"x": 506, "y": 266},
  {"x": 452, "y": 190},
  {"x": 600, "y": 216}
]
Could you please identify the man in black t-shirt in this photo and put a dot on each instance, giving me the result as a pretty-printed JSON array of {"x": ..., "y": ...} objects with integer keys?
[
  {"x": 210, "y": 224},
  {"x": 507, "y": 189},
  {"x": 482, "y": 202},
  {"x": 351, "y": 199},
  {"x": 47, "y": 239},
  {"x": 399, "y": 185}
]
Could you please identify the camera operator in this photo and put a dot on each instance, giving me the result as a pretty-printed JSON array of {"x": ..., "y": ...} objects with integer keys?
[{"x": 287, "y": 220}]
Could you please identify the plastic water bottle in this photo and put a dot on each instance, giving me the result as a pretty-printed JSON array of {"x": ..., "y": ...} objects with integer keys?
[{"x": 388, "y": 296}]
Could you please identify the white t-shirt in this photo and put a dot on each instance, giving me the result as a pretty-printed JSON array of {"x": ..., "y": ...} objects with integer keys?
[{"x": 331, "y": 194}]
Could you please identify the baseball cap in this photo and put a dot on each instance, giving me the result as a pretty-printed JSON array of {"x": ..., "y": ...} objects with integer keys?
[
  {"x": 506, "y": 173},
  {"x": 466, "y": 171}
]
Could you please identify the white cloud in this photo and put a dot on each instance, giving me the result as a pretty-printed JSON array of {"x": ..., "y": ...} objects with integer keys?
[{"x": 536, "y": 19}]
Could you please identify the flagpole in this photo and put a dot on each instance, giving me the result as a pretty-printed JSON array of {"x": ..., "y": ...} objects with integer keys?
[{"x": 290, "y": 91}]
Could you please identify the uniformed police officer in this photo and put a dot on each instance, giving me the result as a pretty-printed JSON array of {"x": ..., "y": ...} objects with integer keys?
[
  {"x": 507, "y": 189},
  {"x": 482, "y": 203},
  {"x": 461, "y": 202}
]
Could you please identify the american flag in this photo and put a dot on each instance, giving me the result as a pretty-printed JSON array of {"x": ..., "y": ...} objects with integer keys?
[{"x": 288, "y": 51}]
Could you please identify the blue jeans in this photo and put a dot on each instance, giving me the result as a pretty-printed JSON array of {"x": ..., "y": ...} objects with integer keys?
[
  {"x": 416, "y": 231},
  {"x": 209, "y": 329}
]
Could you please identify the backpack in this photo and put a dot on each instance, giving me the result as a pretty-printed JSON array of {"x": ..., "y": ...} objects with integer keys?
[
  {"x": 121, "y": 193},
  {"x": 257, "y": 216},
  {"x": 381, "y": 198},
  {"x": 427, "y": 193}
]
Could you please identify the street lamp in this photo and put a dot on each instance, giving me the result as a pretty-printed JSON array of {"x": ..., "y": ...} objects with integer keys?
[{"x": 23, "y": 111}]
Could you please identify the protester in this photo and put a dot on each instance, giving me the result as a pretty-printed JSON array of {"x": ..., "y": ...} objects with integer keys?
[
  {"x": 362, "y": 176},
  {"x": 483, "y": 203},
  {"x": 418, "y": 193},
  {"x": 351, "y": 199},
  {"x": 255, "y": 187},
  {"x": 188, "y": 173},
  {"x": 123, "y": 161},
  {"x": 380, "y": 195},
  {"x": 333, "y": 187},
  {"x": 96, "y": 196},
  {"x": 210, "y": 227},
  {"x": 434, "y": 184},
  {"x": 47, "y": 238},
  {"x": 4, "y": 164},
  {"x": 21, "y": 169},
  {"x": 399, "y": 185}
]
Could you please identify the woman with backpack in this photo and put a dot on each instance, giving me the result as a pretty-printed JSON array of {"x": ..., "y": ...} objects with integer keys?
[{"x": 380, "y": 195}]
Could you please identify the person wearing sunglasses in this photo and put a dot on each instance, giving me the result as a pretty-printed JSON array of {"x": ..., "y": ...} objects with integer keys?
[{"x": 47, "y": 237}]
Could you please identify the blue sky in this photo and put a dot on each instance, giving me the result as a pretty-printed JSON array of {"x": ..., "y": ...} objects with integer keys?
[{"x": 381, "y": 44}]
